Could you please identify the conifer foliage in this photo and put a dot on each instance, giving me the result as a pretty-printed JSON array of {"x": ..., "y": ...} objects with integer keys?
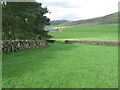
[{"x": 24, "y": 20}]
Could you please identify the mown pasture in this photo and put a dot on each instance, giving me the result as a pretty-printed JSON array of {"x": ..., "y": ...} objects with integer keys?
[
  {"x": 99, "y": 33},
  {"x": 62, "y": 66},
  {"x": 66, "y": 65}
]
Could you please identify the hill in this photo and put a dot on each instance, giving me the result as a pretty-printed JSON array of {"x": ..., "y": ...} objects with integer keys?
[
  {"x": 108, "y": 19},
  {"x": 58, "y": 22}
]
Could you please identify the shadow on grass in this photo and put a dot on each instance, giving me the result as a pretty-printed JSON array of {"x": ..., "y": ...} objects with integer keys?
[{"x": 22, "y": 62}]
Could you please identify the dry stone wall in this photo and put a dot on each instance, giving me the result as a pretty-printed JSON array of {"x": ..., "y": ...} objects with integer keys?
[
  {"x": 107, "y": 43},
  {"x": 16, "y": 45}
]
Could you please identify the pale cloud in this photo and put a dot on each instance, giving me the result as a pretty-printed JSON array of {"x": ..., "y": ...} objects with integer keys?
[
  {"x": 79, "y": 9},
  {"x": 70, "y": 16},
  {"x": 59, "y": 4}
]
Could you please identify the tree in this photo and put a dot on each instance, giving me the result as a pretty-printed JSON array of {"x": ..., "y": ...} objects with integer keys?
[{"x": 24, "y": 20}]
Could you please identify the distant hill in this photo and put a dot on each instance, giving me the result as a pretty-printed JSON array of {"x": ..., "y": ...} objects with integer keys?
[
  {"x": 58, "y": 22},
  {"x": 108, "y": 19}
]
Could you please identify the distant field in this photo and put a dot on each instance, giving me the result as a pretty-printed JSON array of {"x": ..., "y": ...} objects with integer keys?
[
  {"x": 62, "y": 66},
  {"x": 57, "y": 27},
  {"x": 101, "y": 32}
]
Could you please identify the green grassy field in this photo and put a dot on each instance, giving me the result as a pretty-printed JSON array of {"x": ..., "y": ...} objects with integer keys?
[
  {"x": 62, "y": 66},
  {"x": 100, "y": 32}
]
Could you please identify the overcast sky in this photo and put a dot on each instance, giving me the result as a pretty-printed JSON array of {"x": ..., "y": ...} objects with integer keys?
[{"x": 79, "y": 9}]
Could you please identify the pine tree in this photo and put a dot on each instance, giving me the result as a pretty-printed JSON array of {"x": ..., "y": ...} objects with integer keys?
[{"x": 24, "y": 20}]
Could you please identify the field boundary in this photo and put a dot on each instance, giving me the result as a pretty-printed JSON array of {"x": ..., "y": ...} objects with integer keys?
[
  {"x": 17, "y": 45},
  {"x": 106, "y": 43}
]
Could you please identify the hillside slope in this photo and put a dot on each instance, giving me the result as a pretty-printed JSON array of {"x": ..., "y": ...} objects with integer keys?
[{"x": 108, "y": 19}]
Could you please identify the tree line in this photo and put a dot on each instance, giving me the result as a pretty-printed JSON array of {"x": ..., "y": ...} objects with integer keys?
[{"x": 24, "y": 21}]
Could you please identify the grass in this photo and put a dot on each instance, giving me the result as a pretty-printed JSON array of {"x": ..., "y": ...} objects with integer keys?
[
  {"x": 58, "y": 27},
  {"x": 100, "y": 32},
  {"x": 62, "y": 66}
]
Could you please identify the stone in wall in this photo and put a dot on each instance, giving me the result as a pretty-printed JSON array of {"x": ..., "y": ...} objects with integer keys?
[
  {"x": 107, "y": 43},
  {"x": 16, "y": 45}
]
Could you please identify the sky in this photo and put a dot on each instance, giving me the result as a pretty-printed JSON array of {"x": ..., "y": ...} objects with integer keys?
[{"x": 79, "y": 9}]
